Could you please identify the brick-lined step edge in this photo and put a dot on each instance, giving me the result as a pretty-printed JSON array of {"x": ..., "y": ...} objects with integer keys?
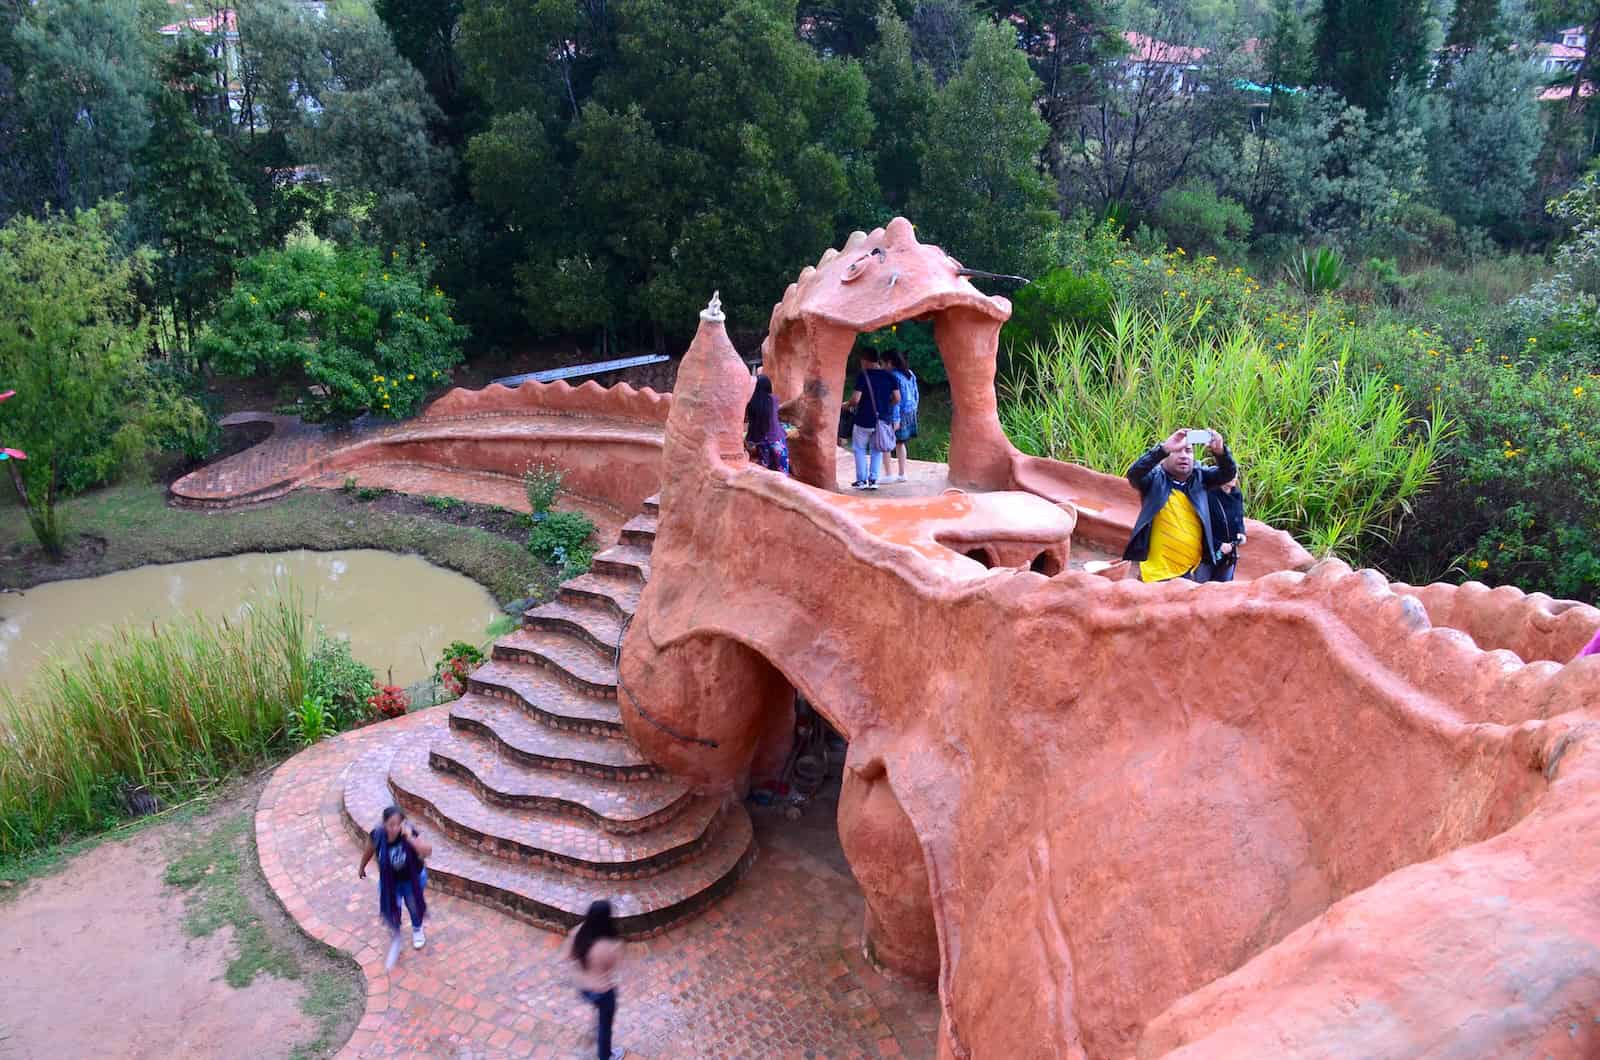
[
  {"x": 594, "y": 623},
  {"x": 624, "y": 560},
  {"x": 508, "y": 726},
  {"x": 547, "y": 699},
  {"x": 640, "y": 530},
  {"x": 643, "y": 908},
  {"x": 577, "y": 664},
  {"x": 620, "y": 595},
  {"x": 594, "y": 800},
  {"x": 531, "y": 837}
]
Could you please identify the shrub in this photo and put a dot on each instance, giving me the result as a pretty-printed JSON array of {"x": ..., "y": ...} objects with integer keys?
[
  {"x": 388, "y": 701},
  {"x": 1060, "y": 297},
  {"x": 562, "y": 539},
  {"x": 1330, "y": 450},
  {"x": 360, "y": 332},
  {"x": 171, "y": 708},
  {"x": 542, "y": 483},
  {"x": 336, "y": 677},
  {"x": 1513, "y": 503},
  {"x": 311, "y": 721},
  {"x": 1197, "y": 218},
  {"x": 1316, "y": 272},
  {"x": 458, "y": 660}
]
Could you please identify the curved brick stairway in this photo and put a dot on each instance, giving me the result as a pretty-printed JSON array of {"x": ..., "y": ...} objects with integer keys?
[{"x": 535, "y": 799}]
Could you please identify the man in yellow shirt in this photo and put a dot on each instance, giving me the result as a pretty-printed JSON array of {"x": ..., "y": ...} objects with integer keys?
[{"x": 1173, "y": 537}]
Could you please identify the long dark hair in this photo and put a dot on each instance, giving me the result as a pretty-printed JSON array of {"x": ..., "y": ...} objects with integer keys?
[
  {"x": 597, "y": 924},
  {"x": 897, "y": 361},
  {"x": 759, "y": 410}
]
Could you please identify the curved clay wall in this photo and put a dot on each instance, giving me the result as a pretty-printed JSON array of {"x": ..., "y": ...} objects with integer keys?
[{"x": 1145, "y": 813}]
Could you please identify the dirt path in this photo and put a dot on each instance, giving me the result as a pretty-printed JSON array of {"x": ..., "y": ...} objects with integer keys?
[{"x": 106, "y": 958}]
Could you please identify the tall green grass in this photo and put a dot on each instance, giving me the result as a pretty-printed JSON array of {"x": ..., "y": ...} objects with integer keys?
[
  {"x": 170, "y": 709},
  {"x": 1329, "y": 451}
]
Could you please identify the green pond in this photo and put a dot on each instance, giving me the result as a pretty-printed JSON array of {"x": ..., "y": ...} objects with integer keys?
[{"x": 398, "y": 612}]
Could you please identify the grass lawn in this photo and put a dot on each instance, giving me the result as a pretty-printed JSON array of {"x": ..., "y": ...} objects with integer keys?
[{"x": 131, "y": 525}]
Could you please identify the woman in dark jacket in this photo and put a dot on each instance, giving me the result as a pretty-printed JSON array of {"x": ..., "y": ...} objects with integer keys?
[{"x": 1227, "y": 519}]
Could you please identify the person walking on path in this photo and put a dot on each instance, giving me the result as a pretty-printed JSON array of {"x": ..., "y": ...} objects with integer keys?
[
  {"x": 1173, "y": 535},
  {"x": 1227, "y": 524},
  {"x": 875, "y": 396},
  {"x": 764, "y": 436},
  {"x": 595, "y": 945},
  {"x": 402, "y": 876},
  {"x": 905, "y": 413}
]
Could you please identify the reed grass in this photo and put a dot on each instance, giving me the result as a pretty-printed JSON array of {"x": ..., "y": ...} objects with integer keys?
[
  {"x": 170, "y": 709},
  {"x": 1328, "y": 450}
]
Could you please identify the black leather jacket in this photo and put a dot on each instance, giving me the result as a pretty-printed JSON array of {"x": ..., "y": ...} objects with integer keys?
[{"x": 1155, "y": 486}]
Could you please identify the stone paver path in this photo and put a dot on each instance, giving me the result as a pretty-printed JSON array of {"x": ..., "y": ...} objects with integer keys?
[{"x": 773, "y": 970}]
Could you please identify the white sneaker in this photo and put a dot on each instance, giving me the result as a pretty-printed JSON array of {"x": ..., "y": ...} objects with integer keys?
[
  {"x": 418, "y": 940},
  {"x": 394, "y": 953}
]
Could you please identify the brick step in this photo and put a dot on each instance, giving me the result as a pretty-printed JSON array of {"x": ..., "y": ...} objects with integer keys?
[
  {"x": 589, "y": 621},
  {"x": 547, "y": 697},
  {"x": 640, "y": 530},
  {"x": 624, "y": 560},
  {"x": 529, "y": 836},
  {"x": 619, "y": 594},
  {"x": 552, "y": 898},
  {"x": 521, "y": 736},
  {"x": 622, "y": 807},
  {"x": 652, "y": 505},
  {"x": 580, "y": 665}
]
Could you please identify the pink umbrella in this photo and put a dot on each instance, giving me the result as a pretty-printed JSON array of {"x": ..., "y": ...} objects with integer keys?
[{"x": 11, "y": 454}]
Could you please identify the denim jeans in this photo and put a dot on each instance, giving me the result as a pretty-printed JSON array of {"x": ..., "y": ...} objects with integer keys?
[
  {"x": 410, "y": 893},
  {"x": 605, "y": 1006},
  {"x": 866, "y": 456}
]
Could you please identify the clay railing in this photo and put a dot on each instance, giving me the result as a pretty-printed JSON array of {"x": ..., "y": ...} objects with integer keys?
[{"x": 622, "y": 402}]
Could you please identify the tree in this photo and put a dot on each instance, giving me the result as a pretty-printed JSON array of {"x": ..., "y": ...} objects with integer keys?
[
  {"x": 78, "y": 102},
  {"x": 333, "y": 91},
  {"x": 1331, "y": 171},
  {"x": 1475, "y": 22},
  {"x": 982, "y": 197},
  {"x": 846, "y": 27},
  {"x": 190, "y": 204},
  {"x": 700, "y": 146},
  {"x": 900, "y": 93},
  {"x": 426, "y": 32},
  {"x": 1365, "y": 48},
  {"x": 72, "y": 345},
  {"x": 941, "y": 36},
  {"x": 1069, "y": 44},
  {"x": 1487, "y": 138},
  {"x": 360, "y": 332},
  {"x": 1158, "y": 111}
]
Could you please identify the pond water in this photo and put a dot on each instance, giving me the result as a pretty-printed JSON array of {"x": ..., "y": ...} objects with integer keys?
[{"x": 398, "y": 612}]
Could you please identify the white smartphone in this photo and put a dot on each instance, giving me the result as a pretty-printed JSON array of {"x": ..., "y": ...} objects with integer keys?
[{"x": 1198, "y": 436}]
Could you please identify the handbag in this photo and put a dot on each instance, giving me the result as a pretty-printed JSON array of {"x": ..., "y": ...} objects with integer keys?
[{"x": 883, "y": 439}]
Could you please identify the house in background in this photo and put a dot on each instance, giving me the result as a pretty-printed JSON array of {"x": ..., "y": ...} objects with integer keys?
[
  {"x": 1173, "y": 66},
  {"x": 1563, "y": 57}
]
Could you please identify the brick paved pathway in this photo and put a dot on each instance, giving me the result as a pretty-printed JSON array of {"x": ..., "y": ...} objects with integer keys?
[{"x": 774, "y": 970}]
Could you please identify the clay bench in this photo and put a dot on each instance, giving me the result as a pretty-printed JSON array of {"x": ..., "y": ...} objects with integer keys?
[{"x": 971, "y": 532}]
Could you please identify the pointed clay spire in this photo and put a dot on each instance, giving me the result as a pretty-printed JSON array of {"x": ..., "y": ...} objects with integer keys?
[{"x": 713, "y": 309}]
